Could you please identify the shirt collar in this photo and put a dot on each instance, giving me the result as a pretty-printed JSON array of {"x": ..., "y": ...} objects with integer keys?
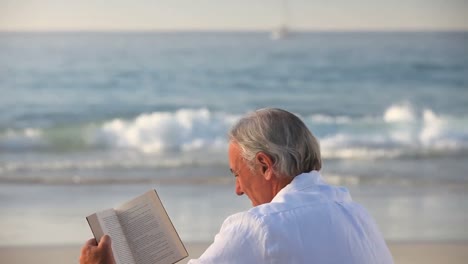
[
  {"x": 313, "y": 180},
  {"x": 301, "y": 182}
]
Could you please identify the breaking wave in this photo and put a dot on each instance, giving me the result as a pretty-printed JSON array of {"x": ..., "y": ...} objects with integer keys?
[{"x": 401, "y": 130}]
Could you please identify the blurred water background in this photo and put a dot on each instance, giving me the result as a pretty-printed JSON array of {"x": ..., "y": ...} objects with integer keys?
[{"x": 89, "y": 120}]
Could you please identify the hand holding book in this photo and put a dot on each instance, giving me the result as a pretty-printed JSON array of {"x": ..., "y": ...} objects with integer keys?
[
  {"x": 93, "y": 253},
  {"x": 141, "y": 232}
]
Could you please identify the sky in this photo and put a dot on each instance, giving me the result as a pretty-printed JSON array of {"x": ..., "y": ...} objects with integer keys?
[{"x": 167, "y": 15}]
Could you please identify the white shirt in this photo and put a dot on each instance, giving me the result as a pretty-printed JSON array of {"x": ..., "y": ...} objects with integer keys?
[{"x": 308, "y": 221}]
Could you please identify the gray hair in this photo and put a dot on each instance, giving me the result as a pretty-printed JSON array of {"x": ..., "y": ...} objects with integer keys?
[{"x": 282, "y": 136}]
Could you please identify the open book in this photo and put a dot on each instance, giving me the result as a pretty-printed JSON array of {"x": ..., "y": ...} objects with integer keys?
[{"x": 140, "y": 230}]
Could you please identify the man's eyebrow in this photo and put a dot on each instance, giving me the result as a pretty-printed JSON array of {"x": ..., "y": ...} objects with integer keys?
[{"x": 232, "y": 171}]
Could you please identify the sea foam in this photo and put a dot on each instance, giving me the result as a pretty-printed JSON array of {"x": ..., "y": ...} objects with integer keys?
[
  {"x": 25, "y": 139},
  {"x": 399, "y": 113},
  {"x": 183, "y": 130},
  {"x": 401, "y": 130}
]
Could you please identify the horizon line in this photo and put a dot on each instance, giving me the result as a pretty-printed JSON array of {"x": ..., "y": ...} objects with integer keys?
[{"x": 293, "y": 30}]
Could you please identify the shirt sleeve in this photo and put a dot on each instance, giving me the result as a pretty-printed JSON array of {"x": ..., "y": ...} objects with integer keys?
[{"x": 240, "y": 240}]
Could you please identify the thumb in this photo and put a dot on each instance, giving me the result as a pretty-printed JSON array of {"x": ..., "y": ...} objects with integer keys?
[{"x": 105, "y": 242}]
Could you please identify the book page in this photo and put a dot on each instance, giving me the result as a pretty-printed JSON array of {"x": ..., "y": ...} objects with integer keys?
[
  {"x": 149, "y": 231},
  {"x": 110, "y": 225}
]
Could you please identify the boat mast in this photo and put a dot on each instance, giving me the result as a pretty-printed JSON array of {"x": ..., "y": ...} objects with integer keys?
[
  {"x": 282, "y": 30},
  {"x": 285, "y": 14}
]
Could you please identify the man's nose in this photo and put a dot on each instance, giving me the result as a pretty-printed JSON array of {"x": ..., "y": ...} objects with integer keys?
[{"x": 238, "y": 188}]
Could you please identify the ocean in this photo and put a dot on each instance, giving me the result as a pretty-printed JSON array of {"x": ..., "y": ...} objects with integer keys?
[{"x": 89, "y": 120}]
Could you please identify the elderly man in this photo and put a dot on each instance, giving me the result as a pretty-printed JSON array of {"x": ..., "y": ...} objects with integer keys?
[{"x": 297, "y": 217}]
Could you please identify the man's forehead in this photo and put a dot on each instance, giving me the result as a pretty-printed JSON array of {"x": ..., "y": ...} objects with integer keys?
[
  {"x": 233, "y": 148},
  {"x": 234, "y": 153}
]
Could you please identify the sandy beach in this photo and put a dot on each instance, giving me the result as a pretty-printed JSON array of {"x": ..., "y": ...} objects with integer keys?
[{"x": 403, "y": 253}]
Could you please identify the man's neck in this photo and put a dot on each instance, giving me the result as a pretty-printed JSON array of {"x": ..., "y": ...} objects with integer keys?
[{"x": 279, "y": 183}]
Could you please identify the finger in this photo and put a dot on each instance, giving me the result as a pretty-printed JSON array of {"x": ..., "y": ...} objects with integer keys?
[
  {"x": 105, "y": 242},
  {"x": 88, "y": 245},
  {"x": 91, "y": 242}
]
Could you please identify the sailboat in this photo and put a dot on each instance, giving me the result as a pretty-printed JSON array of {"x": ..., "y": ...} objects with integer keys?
[
  {"x": 279, "y": 33},
  {"x": 282, "y": 31}
]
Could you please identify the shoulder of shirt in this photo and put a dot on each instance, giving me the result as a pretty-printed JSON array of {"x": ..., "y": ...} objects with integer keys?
[
  {"x": 242, "y": 222},
  {"x": 257, "y": 215},
  {"x": 270, "y": 209},
  {"x": 256, "y": 220},
  {"x": 241, "y": 217}
]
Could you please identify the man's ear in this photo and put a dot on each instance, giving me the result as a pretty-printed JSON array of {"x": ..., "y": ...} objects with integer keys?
[{"x": 265, "y": 164}]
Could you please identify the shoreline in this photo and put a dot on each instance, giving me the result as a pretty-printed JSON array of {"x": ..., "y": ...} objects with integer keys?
[{"x": 404, "y": 252}]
